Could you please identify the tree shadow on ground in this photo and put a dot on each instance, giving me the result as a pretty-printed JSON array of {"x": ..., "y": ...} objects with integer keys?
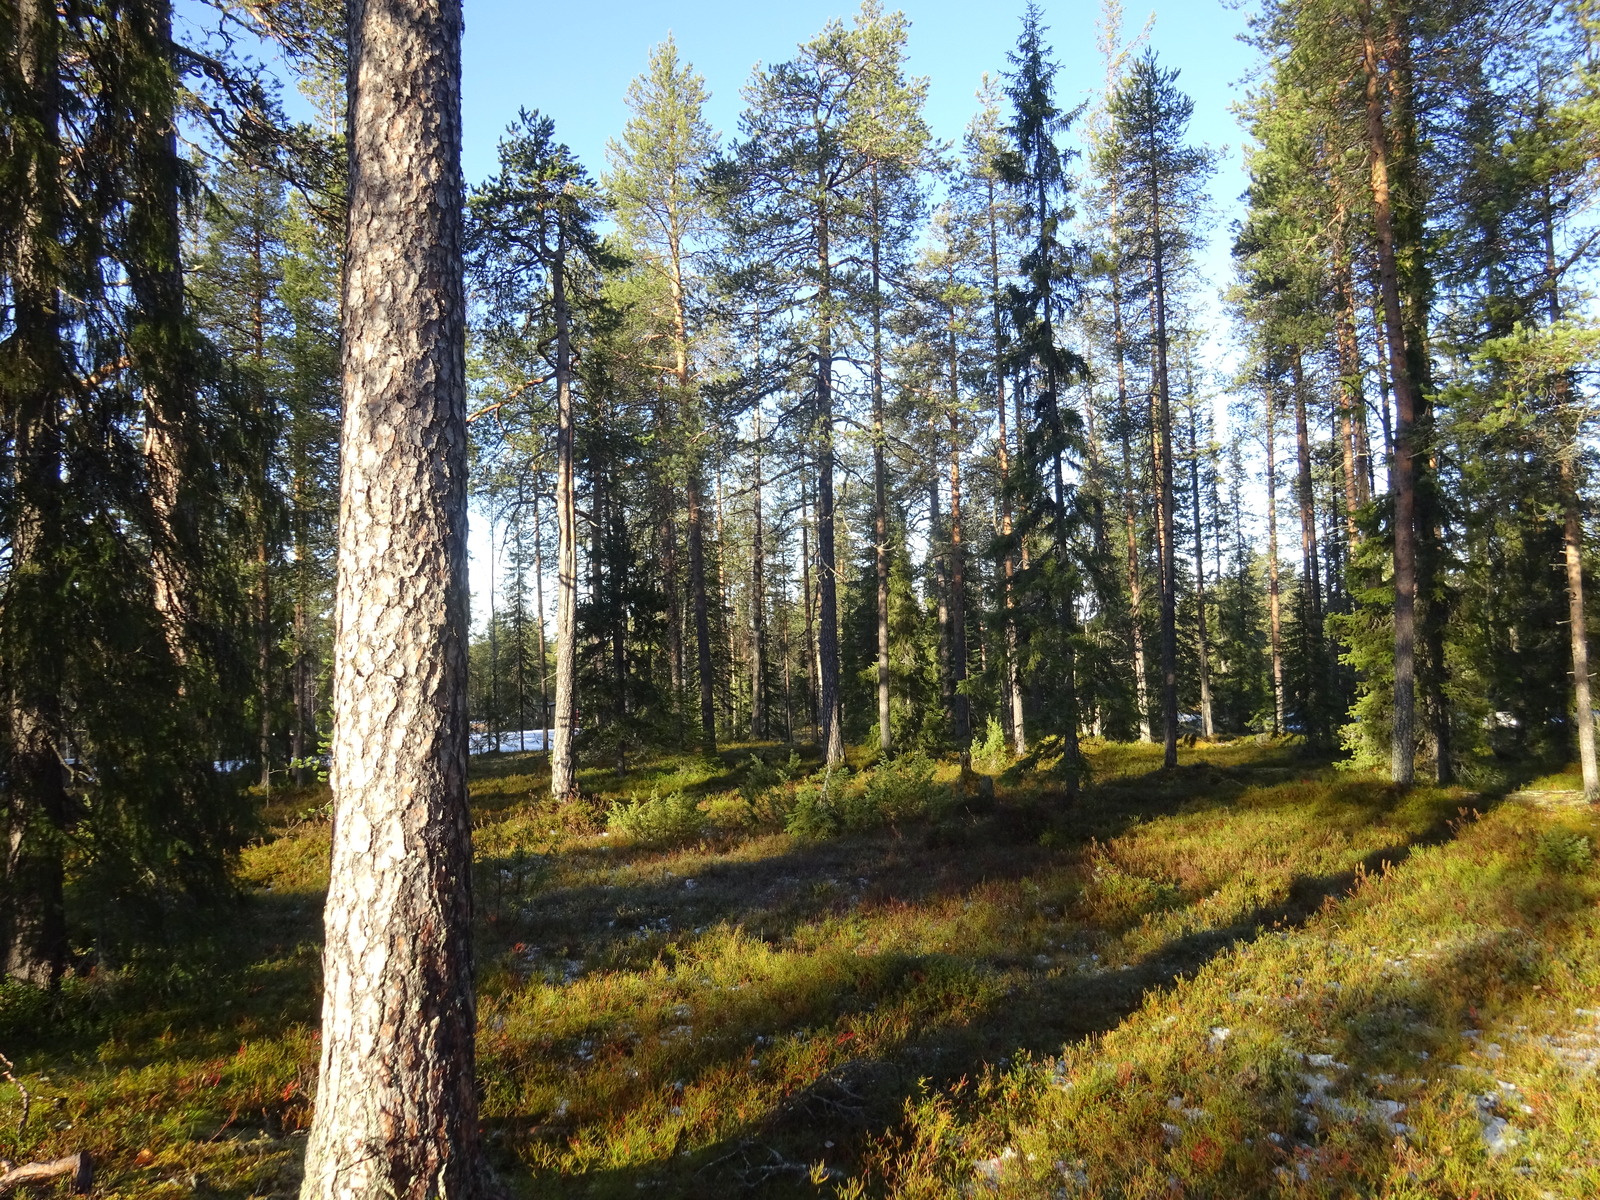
[{"x": 852, "y": 1099}]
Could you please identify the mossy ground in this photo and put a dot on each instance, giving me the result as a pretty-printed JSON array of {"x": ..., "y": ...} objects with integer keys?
[{"x": 1253, "y": 976}]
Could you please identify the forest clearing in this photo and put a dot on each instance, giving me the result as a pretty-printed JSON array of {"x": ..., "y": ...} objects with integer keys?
[{"x": 1256, "y": 976}]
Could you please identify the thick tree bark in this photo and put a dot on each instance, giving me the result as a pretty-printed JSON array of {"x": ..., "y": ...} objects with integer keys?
[
  {"x": 33, "y": 934},
  {"x": 396, "y": 1114}
]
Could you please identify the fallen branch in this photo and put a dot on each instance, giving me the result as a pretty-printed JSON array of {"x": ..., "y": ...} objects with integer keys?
[{"x": 78, "y": 1165}]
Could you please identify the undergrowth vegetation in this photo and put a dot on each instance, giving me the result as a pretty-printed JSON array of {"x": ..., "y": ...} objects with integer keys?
[{"x": 1251, "y": 976}]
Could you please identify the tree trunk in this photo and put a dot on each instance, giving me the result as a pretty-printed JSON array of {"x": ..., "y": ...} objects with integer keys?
[
  {"x": 939, "y": 561},
  {"x": 32, "y": 380},
  {"x": 1130, "y": 521},
  {"x": 1274, "y": 590},
  {"x": 758, "y": 606},
  {"x": 538, "y": 610},
  {"x": 158, "y": 330},
  {"x": 702, "y": 615},
  {"x": 1583, "y": 708},
  {"x": 961, "y": 713},
  {"x": 1403, "y": 475},
  {"x": 828, "y": 618},
  {"x": 880, "y": 476},
  {"x": 1352, "y": 401},
  {"x": 1314, "y": 651},
  {"x": 813, "y": 698},
  {"x": 1013, "y": 681},
  {"x": 396, "y": 1114},
  {"x": 1165, "y": 506},
  {"x": 563, "y": 753},
  {"x": 1203, "y": 646}
]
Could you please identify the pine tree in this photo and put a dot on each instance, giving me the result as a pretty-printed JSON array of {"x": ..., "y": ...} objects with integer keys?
[
  {"x": 396, "y": 1104},
  {"x": 1162, "y": 189}
]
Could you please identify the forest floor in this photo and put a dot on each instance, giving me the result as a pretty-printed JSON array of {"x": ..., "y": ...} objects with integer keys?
[{"x": 1253, "y": 976}]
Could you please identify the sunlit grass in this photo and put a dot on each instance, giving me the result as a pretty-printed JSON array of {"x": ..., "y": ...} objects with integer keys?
[{"x": 972, "y": 993}]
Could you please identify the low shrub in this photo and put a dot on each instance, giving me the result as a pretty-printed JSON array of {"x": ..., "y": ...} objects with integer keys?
[{"x": 659, "y": 820}]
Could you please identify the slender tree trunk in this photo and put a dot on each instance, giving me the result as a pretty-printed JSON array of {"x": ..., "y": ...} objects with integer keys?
[
  {"x": 1130, "y": 520},
  {"x": 1008, "y": 558},
  {"x": 1274, "y": 588},
  {"x": 1381, "y": 361},
  {"x": 758, "y": 606},
  {"x": 538, "y": 608},
  {"x": 961, "y": 713},
  {"x": 1315, "y": 651},
  {"x": 667, "y": 534},
  {"x": 397, "y": 1109},
  {"x": 32, "y": 379},
  {"x": 1583, "y": 707},
  {"x": 1403, "y": 473},
  {"x": 1352, "y": 401},
  {"x": 813, "y": 695},
  {"x": 880, "y": 476},
  {"x": 563, "y": 753},
  {"x": 1203, "y": 645},
  {"x": 702, "y": 614},
  {"x": 939, "y": 556},
  {"x": 1572, "y": 538},
  {"x": 828, "y": 622},
  {"x": 1165, "y": 503}
]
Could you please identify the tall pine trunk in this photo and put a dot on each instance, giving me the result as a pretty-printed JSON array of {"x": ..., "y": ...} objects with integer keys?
[
  {"x": 961, "y": 713},
  {"x": 758, "y": 605},
  {"x": 1313, "y": 649},
  {"x": 1013, "y": 667},
  {"x": 397, "y": 1110},
  {"x": 33, "y": 933},
  {"x": 1274, "y": 586},
  {"x": 563, "y": 753},
  {"x": 1141, "y": 682},
  {"x": 1203, "y": 644},
  {"x": 158, "y": 335},
  {"x": 1165, "y": 506},
  {"x": 1403, "y": 471},
  {"x": 880, "y": 475},
  {"x": 830, "y": 701},
  {"x": 702, "y": 613}
]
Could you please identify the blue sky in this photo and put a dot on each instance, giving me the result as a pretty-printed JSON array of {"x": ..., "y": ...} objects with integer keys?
[{"x": 573, "y": 61}]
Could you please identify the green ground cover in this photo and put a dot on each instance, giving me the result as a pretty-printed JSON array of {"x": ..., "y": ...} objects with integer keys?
[{"x": 1253, "y": 976}]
